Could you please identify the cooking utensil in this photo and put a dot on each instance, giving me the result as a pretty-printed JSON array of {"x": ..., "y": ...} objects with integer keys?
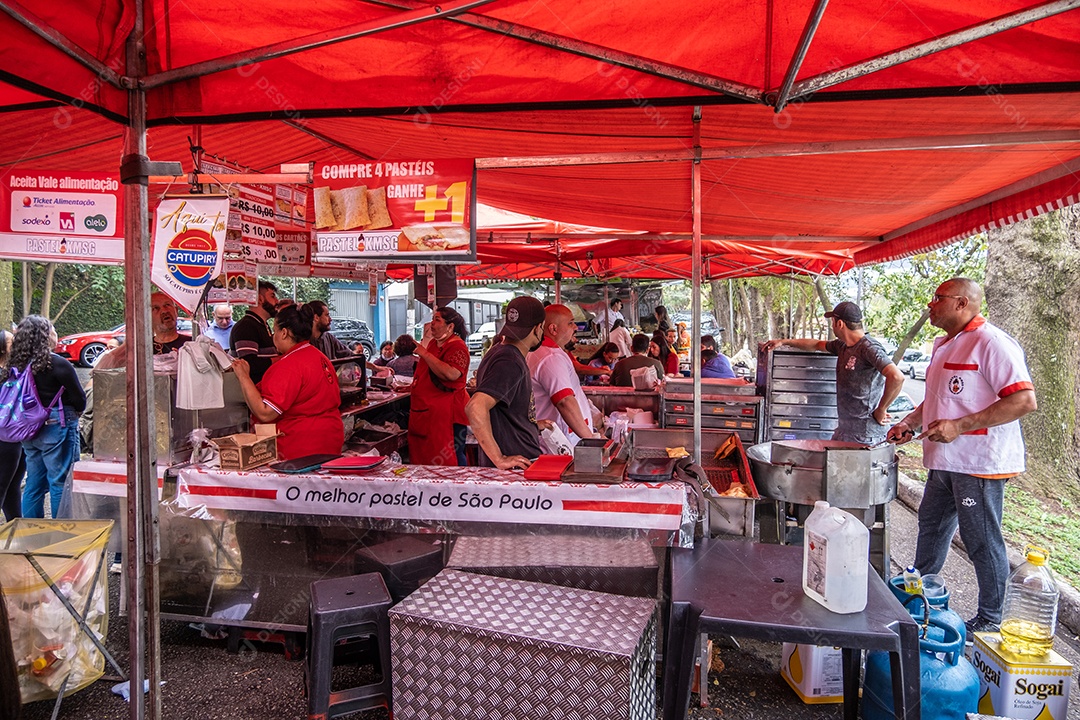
[{"x": 913, "y": 438}]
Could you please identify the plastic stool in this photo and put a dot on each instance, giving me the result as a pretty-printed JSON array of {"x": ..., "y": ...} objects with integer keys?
[
  {"x": 347, "y": 607},
  {"x": 404, "y": 562}
]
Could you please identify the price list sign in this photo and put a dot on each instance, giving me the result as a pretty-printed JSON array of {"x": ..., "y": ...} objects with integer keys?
[{"x": 255, "y": 207}]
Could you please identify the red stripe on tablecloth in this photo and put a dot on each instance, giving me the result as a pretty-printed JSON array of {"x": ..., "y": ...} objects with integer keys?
[
  {"x": 226, "y": 491},
  {"x": 639, "y": 508},
  {"x": 99, "y": 477},
  {"x": 108, "y": 478}
]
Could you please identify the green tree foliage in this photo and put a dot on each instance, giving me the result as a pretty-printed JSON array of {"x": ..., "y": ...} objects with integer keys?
[
  {"x": 307, "y": 288},
  {"x": 897, "y": 293},
  {"x": 81, "y": 297}
]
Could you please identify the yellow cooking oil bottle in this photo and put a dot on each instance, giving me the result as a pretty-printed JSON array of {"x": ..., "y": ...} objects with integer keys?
[{"x": 1029, "y": 617}]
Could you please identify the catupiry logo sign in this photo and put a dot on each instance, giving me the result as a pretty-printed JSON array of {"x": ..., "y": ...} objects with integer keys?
[
  {"x": 192, "y": 256},
  {"x": 189, "y": 234}
]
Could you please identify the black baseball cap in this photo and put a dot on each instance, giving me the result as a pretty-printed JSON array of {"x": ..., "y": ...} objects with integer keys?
[
  {"x": 846, "y": 311},
  {"x": 523, "y": 313}
]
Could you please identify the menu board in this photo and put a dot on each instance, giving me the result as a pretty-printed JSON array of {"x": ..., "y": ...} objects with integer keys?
[
  {"x": 396, "y": 211},
  {"x": 61, "y": 216}
]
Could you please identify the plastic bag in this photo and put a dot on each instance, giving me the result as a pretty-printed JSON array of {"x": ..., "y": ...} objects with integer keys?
[
  {"x": 555, "y": 441},
  {"x": 644, "y": 378}
]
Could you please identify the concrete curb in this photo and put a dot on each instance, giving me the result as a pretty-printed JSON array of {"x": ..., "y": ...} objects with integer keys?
[{"x": 910, "y": 492}]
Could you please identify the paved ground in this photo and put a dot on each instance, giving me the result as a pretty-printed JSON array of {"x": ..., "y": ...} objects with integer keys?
[{"x": 205, "y": 681}]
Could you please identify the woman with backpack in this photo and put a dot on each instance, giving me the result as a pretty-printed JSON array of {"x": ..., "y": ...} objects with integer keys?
[
  {"x": 53, "y": 450},
  {"x": 12, "y": 463}
]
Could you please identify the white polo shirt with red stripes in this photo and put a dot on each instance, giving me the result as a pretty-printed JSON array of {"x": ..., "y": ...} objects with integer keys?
[
  {"x": 553, "y": 379},
  {"x": 967, "y": 374}
]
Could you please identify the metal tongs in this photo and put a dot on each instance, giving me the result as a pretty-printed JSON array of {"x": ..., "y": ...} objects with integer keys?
[{"x": 913, "y": 437}]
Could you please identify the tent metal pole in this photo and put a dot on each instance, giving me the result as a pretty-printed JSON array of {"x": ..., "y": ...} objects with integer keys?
[
  {"x": 791, "y": 306},
  {"x": 310, "y": 42},
  {"x": 800, "y": 52},
  {"x": 838, "y": 147},
  {"x": 942, "y": 42},
  {"x": 731, "y": 314},
  {"x": 607, "y": 309},
  {"x": 607, "y": 55},
  {"x": 141, "y": 555},
  {"x": 695, "y": 287}
]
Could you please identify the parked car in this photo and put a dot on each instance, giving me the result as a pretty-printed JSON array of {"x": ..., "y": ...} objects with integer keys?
[
  {"x": 709, "y": 326},
  {"x": 353, "y": 332},
  {"x": 918, "y": 368},
  {"x": 85, "y": 348},
  {"x": 902, "y": 405},
  {"x": 910, "y": 356},
  {"x": 475, "y": 341}
]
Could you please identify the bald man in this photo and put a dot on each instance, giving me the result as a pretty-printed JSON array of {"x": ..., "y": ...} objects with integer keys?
[
  {"x": 163, "y": 320},
  {"x": 557, "y": 391},
  {"x": 977, "y": 389}
]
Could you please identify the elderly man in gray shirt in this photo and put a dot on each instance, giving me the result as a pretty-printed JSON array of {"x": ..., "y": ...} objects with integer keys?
[{"x": 867, "y": 381}]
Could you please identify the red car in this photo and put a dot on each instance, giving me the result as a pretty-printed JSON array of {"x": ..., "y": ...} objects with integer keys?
[{"x": 85, "y": 348}]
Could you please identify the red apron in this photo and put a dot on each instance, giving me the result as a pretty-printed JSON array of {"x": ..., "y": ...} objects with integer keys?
[{"x": 434, "y": 409}]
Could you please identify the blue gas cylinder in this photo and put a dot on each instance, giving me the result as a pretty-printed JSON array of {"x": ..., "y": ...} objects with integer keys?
[
  {"x": 949, "y": 683},
  {"x": 939, "y": 606}
]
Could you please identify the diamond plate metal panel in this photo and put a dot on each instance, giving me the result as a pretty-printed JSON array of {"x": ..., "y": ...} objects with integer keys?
[
  {"x": 477, "y": 647},
  {"x": 620, "y": 566}
]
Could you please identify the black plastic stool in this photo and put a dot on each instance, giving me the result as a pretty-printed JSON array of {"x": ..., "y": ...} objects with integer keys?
[
  {"x": 404, "y": 562},
  {"x": 348, "y": 607}
]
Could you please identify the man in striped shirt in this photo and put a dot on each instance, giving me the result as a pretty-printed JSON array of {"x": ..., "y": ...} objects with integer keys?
[{"x": 250, "y": 338}]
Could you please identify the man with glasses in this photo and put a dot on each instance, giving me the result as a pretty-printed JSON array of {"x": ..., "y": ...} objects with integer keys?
[
  {"x": 867, "y": 381},
  {"x": 221, "y": 329},
  {"x": 977, "y": 389}
]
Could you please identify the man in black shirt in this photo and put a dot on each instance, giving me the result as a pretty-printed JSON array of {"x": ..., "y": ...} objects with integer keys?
[
  {"x": 250, "y": 338},
  {"x": 163, "y": 321},
  {"x": 501, "y": 410}
]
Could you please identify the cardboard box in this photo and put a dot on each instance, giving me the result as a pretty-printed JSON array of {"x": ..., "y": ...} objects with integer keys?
[
  {"x": 244, "y": 451},
  {"x": 1020, "y": 687},
  {"x": 816, "y": 674}
]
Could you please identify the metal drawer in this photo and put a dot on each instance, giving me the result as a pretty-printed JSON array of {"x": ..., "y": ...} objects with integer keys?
[
  {"x": 804, "y": 423},
  {"x": 804, "y": 411},
  {"x": 682, "y": 407},
  {"x": 803, "y": 360},
  {"x": 805, "y": 373}
]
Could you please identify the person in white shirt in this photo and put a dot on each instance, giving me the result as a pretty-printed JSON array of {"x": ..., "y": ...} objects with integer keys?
[
  {"x": 220, "y": 330},
  {"x": 622, "y": 338},
  {"x": 557, "y": 392},
  {"x": 606, "y": 319},
  {"x": 977, "y": 389}
]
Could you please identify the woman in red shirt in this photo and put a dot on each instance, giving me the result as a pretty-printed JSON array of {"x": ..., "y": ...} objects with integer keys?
[
  {"x": 299, "y": 392},
  {"x": 437, "y": 419}
]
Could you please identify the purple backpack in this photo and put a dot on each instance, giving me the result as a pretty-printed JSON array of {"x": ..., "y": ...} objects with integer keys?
[{"x": 21, "y": 413}]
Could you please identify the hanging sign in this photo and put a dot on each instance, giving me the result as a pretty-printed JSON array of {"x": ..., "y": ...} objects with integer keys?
[
  {"x": 187, "y": 245},
  {"x": 51, "y": 216},
  {"x": 418, "y": 211},
  {"x": 237, "y": 284}
]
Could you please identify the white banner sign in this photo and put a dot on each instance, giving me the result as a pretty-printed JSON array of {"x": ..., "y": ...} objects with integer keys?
[
  {"x": 426, "y": 493},
  {"x": 188, "y": 242}
]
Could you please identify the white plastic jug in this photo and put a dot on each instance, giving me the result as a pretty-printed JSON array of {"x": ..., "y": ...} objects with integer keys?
[{"x": 836, "y": 549}]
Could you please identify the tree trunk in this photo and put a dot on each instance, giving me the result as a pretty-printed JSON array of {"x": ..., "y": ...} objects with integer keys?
[
  {"x": 911, "y": 333},
  {"x": 27, "y": 289},
  {"x": 1033, "y": 293},
  {"x": 748, "y": 314},
  {"x": 7, "y": 294},
  {"x": 823, "y": 295},
  {"x": 46, "y": 294}
]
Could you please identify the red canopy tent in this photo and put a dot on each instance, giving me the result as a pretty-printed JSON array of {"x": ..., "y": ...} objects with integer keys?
[{"x": 863, "y": 129}]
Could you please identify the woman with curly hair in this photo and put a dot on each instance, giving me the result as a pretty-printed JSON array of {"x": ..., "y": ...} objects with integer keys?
[
  {"x": 51, "y": 453},
  {"x": 437, "y": 419}
]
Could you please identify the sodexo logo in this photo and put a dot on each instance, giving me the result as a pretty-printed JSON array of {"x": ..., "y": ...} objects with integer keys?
[
  {"x": 41, "y": 221},
  {"x": 97, "y": 223},
  {"x": 191, "y": 257}
]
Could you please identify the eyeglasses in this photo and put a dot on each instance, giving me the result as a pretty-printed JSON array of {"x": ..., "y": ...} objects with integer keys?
[{"x": 938, "y": 298}]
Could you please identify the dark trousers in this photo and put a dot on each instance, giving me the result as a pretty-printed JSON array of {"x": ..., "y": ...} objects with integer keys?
[
  {"x": 460, "y": 432},
  {"x": 12, "y": 469},
  {"x": 975, "y": 504}
]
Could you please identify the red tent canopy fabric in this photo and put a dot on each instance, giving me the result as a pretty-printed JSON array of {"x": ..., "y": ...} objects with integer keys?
[{"x": 907, "y": 125}]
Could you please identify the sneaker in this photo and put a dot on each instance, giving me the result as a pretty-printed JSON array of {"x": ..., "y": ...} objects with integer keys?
[{"x": 979, "y": 624}]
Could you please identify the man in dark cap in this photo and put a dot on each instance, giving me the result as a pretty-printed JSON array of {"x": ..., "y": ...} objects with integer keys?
[
  {"x": 867, "y": 381},
  {"x": 501, "y": 411}
]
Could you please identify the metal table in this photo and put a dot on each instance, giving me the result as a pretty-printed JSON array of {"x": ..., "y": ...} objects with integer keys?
[{"x": 755, "y": 590}]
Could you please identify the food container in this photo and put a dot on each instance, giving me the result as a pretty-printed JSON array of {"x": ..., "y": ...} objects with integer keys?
[
  {"x": 592, "y": 455},
  {"x": 846, "y": 475}
]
